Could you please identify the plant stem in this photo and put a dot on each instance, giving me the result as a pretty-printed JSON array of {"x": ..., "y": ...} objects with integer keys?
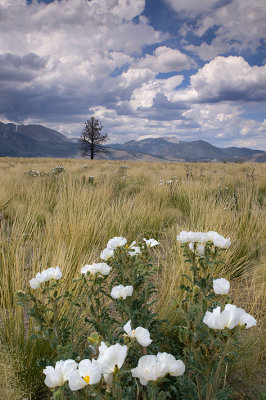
[
  {"x": 213, "y": 387},
  {"x": 198, "y": 388}
]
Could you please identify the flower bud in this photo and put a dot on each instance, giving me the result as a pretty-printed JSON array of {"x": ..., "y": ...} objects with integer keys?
[
  {"x": 196, "y": 289},
  {"x": 94, "y": 338}
]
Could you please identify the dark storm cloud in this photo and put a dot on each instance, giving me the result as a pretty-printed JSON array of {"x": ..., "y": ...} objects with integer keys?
[{"x": 24, "y": 68}]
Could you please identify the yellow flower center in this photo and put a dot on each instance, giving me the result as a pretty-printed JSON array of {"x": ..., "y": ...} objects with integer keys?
[
  {"x": 133, "y": 332},
  {"x": 86, "y": 379}
]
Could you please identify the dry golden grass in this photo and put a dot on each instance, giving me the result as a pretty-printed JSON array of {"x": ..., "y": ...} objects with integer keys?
[
  {"x": 67, "y": 221},
  {"x": 10, "y": 388}
]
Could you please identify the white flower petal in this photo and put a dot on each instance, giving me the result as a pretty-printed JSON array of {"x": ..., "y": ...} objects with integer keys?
[
  {"x": 221, "y": 286},
  {"x": 134, "y": 251},
  {"x": 53, "y": 377},
  {"x": 75, "y": 381},
  {"x": 151, "y": 242},
  {"x": 127, "y": 329},
  {"x": 39, "y": 277},
  {"x": 248, "y": 320},
  {"x": 146, "y": 369},
  {"x": 106, "y": 254},
  {"x": 34, "y": 283},
  {"x": 57, "y": 273},
  {"x": 116, "y": 242},
  {"x": 143, "y": 336},
  {"x": 85, "y": 269},
  {"x": 59, "y": 375},
  {"x": 101, "y": 268},
  {"x": 167, "y": 364},
  {"x": 121, "y": 291},
  {"x": 108, "y": 379},
  {"x": 112, "y": 357}
]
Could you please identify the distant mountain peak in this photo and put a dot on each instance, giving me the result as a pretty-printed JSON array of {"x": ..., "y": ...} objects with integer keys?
[
  {"x": 34, "y": 141},
  {"x": 172, "y": 149},
  {"x": 39, "y": 141}
]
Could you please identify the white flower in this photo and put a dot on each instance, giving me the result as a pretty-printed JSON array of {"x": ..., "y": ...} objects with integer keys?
[
  {"x": 233, "y": 315},
  {"x": 151, "y": 242},
  {"x": 88, "y": 373},
  {"x": 116, "y": 242},
  {"x": 121, "y": 291},
  {"x": 35, "y": 283},
  {"x": 151, "y": 368},
  {"x": 106, "y": 254},
  {"x": 218, "y": 240},
  {"x": 229, "y": 318},
  {"x": 146, "y": 370},
  {"x": 202, "y": 237},
  {"x": 214, "y": 319},
  {"x": 59, "y": 375},
  {"x": 40, "y": 276},
  {"x": 111, "y": 358},
  {"x": 51, "y": 273},
  {"x": 248, "y": 320},
  {"x": 100, "y": 268},
  {"x": 221, "y": 286},
  {"x": 134, "y": 250},
  {"x": 45, "y": 276},
  {"x": 186, "y": 237},
  {"x": 167, "y": 364},
  {"x": 142, "y": 335}
]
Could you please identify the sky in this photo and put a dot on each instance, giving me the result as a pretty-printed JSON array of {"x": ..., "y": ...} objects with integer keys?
[{"x": 192, "y": 69}]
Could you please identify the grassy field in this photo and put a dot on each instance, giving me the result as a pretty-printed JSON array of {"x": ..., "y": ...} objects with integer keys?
[{"x": 66, "y": 220}]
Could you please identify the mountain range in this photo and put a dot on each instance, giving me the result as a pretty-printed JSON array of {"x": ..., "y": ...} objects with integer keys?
[{"x": 39, "y": 141}]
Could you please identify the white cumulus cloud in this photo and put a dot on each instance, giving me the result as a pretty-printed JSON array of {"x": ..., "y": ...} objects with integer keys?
[
  {"x": 238, "y": 25},
  {"x": 226, "y": 79},
  {"x": 165, "y": 59}
]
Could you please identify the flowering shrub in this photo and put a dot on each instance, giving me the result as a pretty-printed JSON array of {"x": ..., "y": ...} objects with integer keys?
[
  {"x": 106, "y": 340},
  {"x": 57, "y": 170},
  {"x": 208, "y": 336}
]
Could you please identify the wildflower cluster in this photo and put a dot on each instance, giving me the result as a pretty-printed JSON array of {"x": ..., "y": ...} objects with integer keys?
[
  {"x": 208, "y": 335},
  {"x": 106, "y": 340},
  {"x": 123, "y": 332},
  {"x": 169, "y": 182},
  {"x": 32, "y": 173},
  {"x": 45, "y": 276}
]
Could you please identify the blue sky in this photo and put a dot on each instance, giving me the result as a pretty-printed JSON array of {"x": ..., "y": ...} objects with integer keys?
[{"x": 185, "y": 68}]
